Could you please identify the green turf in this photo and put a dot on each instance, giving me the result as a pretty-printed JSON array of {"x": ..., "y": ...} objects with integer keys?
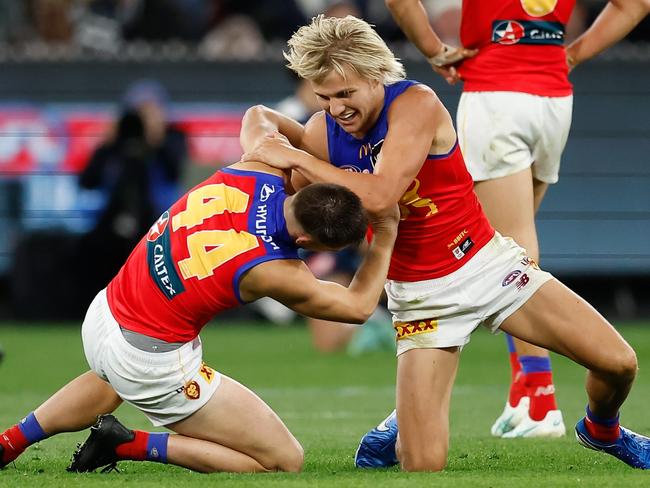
[{"x": 328, "y": 402}]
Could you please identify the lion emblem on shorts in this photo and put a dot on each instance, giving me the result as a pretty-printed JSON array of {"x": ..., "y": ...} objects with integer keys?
[
  {"x": 539, "y": 8},
  {"x": 192, "y": 390}
]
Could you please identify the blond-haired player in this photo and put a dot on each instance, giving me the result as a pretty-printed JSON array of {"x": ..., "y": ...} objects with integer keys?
[{"x": 391, "y": 141}]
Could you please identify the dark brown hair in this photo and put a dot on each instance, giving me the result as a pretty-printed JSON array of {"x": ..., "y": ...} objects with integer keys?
[{"x": 331, "y": 214}]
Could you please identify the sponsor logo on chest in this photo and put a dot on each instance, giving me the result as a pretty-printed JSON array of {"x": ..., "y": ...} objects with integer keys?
[{"x": 508, "y": 32}]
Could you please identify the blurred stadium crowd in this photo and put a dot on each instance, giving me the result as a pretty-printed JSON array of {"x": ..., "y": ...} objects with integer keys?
[{"x": 212, "y": 29}]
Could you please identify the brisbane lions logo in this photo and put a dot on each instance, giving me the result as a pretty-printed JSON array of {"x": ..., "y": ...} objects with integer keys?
[{"x": 158, "y": 228}]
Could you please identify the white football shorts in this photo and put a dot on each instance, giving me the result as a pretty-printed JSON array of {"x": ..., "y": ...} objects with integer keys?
[
  {"x": 443, "y": 312},
  {"x": 502, "y": 133},
  {"x": 166, "y": 387}
]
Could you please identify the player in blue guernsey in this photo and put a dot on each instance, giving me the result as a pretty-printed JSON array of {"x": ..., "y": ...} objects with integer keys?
[
  {"x": 450, "y": 271},
  {"x": 232, "y": 239}
]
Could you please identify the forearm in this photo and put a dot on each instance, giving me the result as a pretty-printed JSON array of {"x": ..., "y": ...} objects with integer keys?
[
  {"x": 616, "y": 20},
  {"x": 260, "y": 121},
  {"x": 413, "y": 19},
  {"x": 366, "y": 286},
  {"x": 366, "y": 186}
]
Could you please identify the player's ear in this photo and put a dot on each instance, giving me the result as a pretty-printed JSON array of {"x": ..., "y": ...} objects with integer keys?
[{"x": 304, "y": 240}]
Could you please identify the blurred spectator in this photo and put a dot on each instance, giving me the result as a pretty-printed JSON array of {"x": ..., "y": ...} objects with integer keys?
[
  {"x": 160, "y": 20},
  {"x": 138, "y": 169},
  {"x": 53, "y": 20},
  {"x": 276, "y": 20},
  {"x": 13, "y": 21},
  {"x": 237, "y": 36}
]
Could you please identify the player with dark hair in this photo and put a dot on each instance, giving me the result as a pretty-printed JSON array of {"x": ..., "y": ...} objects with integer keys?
[{"x": 230, "y": 240}]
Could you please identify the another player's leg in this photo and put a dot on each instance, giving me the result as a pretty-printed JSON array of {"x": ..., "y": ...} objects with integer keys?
[
  {"x": 74, "y": 407},
  {"x": 531, "y": 399},
  {"x": 559, "y": 320},
  {"x": 234, "y": 431}
]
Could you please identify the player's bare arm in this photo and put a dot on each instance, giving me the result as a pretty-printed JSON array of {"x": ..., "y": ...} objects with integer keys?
[
  {"x": 292, "y": 283},
  {"x": 413, "y": 19},
  {"x": 616, "y": 20},
  {"x": 260, "y": 121},
  {"x": 407, "y": 144}
]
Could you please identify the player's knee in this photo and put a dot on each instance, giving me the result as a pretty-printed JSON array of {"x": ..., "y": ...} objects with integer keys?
[
  {"x": 292, "y": 459},
  {"x": 431, "y": 460},
  {"x": 626, "y": 364},
  {"x": 621, "y": 365}
]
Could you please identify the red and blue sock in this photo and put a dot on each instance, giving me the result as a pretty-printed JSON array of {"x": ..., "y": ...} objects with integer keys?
[
  {"x": 517, "y": 387},
  {"x": 146, "y": 446},
  {"x": 539, "y": 385},
  {"x": 601, "y": 428},
  {"x": 16, "y": 439}
]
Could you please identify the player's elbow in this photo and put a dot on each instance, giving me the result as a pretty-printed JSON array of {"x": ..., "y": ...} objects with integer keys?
[
  {"x": 377, "y": 204},
  {"x": 256, "y": 112},
  {"x": 360, "y": 312}
]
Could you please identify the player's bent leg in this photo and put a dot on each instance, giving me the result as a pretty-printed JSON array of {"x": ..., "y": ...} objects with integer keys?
[
  {"x": 242, "y": 434},
  {"x": 77, "y": 405},
  {"x": 235, "y": 431},
  {"x": 74, "y": 407},
  {"x": 558, "y": 319},
  {"x": 424, "y": 382}
]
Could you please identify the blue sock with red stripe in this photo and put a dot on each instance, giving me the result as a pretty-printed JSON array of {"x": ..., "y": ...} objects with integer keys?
[
  {"x": 539, "y": 385},
  {"x": 19, "y": 437}
]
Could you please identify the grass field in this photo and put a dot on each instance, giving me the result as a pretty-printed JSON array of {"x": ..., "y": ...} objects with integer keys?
[{"x": 328, "y": 402}]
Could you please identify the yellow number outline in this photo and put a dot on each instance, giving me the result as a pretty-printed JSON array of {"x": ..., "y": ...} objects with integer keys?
[{"x": 209, "y": 249}]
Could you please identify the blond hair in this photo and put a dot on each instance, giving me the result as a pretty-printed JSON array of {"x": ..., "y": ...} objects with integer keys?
[{"x": 330, "y": 44}]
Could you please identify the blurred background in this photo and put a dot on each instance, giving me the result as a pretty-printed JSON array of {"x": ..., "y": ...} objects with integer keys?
[{"x": 111, "y": 109}]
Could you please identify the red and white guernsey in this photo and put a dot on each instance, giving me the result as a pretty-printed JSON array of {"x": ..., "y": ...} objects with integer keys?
[
  {"x": 520, "y": 43},
  {"x": 187, "y": 268},
  {"x": 442, "y": 223}
]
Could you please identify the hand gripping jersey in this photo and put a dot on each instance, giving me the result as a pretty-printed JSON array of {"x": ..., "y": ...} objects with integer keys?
[
  {"x": 187, "y": 268},
  {"x": 442, "y": 223},
  {"x": 520, "y": 43}
]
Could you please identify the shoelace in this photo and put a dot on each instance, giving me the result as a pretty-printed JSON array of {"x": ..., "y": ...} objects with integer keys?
[{"x": 110, "y": 467}]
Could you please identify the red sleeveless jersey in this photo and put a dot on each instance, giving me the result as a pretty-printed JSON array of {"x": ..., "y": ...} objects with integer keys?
[
  {"x": 442, "y": 223},
  {"x": 187, "y": 268},
  {"x": 520, "y": 43}
]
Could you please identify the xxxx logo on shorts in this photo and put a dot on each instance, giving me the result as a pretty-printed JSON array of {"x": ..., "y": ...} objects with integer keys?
[
  {"x": 538, "y": 8},
  {"x": 207, "y": 372},
  {"x": 192, "y": 390},
  {"x": 407, "y": 329}
]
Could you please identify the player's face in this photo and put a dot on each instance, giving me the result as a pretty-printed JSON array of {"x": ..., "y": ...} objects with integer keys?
[{"x": 354, "y": 102}]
